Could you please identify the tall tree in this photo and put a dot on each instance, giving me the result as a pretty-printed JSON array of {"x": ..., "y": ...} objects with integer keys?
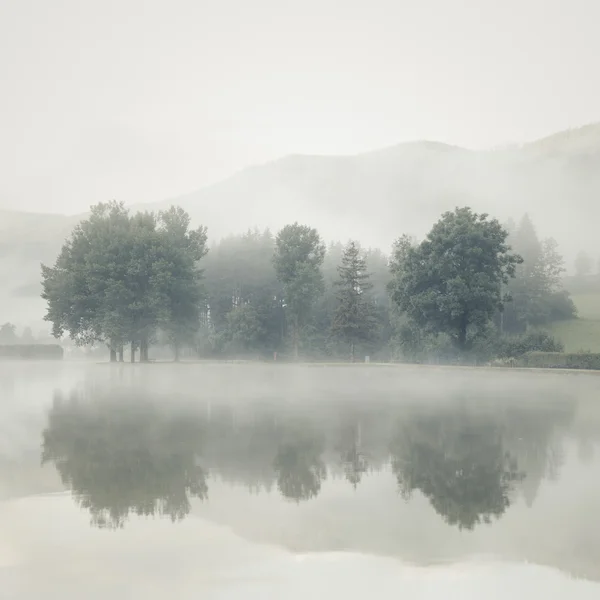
[
  {"x": 298, "y": 256},
  {"x": 180, "y": 277},
  {"x": 536, "y": 294},
  {"x": 452, "y": 281},
  {"x": 119, "y": 277},
  {"x": 354, "y": 319},
  {"x": 244, "y": 296},
  {"x": 84, "y": 289}
]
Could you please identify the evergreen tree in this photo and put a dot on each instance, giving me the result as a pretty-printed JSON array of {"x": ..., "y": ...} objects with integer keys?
[
  {"x": 535, "y": 292},
  {"x": 354, "y": 320}
]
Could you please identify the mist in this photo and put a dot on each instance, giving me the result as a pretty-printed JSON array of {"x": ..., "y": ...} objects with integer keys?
[{"x": 299, "y": 299}]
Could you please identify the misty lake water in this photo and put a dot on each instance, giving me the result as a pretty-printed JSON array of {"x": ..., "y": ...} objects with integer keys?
[{"x": 241, "y": 481}]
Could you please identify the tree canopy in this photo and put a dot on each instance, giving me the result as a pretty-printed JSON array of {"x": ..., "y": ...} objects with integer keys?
[
  {"x": 354, "y": 319},
  {"x": 119, "y": 278},
  {"x": 452, "y": 282},
  {"x": 299, "y": 254},
  {"x": 141, "y": 279}
]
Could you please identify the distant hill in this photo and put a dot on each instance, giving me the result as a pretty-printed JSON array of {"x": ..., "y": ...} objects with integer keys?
[
  {"x": 378, "y": 195},
  {"x": 374, "y": 197}
]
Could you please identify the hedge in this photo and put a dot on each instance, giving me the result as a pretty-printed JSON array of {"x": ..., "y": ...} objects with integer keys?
[
  {"x": 32, "y": 351},
  {"x": 561, "y": 360}
]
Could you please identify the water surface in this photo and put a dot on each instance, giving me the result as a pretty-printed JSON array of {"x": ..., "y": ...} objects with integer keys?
[{"x": 243, "y": 481}]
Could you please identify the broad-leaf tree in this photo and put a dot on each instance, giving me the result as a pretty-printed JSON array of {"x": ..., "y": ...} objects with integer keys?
[
  {"x": 452, "y": 282},
  {"x": 298, "y": 256},
  {"x": 119, "y": 278}
]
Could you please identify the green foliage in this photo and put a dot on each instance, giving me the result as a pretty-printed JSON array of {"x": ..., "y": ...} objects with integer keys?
[
  {"x": 452, "y": 282},
  {"x": 298, "y": 256},
  {"x": 136, "y": 279},
  {"x": 243, "y": 296},
  {"x": 119, "y": 278},
  {"x": 562, "y": 360},
  {"x": 534, "y": 341},
  {"x": 32, "y": 351},
  {"x": 535, "y": 292},
  {"x": 354, "y": 318}
]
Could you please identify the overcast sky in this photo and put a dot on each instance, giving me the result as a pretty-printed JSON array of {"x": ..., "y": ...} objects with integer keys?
[{"x": 141, "y": 100}]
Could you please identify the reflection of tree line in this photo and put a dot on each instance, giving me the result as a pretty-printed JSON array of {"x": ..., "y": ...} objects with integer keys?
[{"x": 121, "y": 455}]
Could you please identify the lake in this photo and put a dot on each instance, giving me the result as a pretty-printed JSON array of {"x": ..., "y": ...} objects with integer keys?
[{"x": 245, "y": 481}]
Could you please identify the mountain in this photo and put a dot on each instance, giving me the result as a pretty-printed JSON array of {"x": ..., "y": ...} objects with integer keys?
[
  {"x": 374, "y": 197},
  {"x": 379, "y": 195}
]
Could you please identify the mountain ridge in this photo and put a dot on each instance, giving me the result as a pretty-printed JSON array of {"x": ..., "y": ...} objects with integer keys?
[{"x": 374, "y": 197}]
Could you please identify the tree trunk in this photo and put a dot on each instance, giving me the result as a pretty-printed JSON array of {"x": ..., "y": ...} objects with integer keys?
[
  {"x": 132, "y": 359},
  {"x": 113, "y": 355},
  {"x": 121, "y": 354},
  {"x": 462, "y": 333},
  {"x": 296, "y": 353},
  {"x": 176, "y": 352},
  {"x": 144, "y": 349},
  {"x": 351, "y": 351}
]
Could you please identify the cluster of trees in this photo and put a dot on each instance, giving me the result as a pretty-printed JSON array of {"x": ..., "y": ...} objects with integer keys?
[
  {"x": 9, "y": 335},
  {"x": 142, "y": 279},
  {"x": 120, "y": 279},
  {"x": 470, "y": 458},
  {"x": 536, "y": 292}
]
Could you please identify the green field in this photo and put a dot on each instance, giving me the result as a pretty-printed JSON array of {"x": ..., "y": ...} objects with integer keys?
[
  {"x": 582, "y": 333},
  {"x": 588, "y": 305}
]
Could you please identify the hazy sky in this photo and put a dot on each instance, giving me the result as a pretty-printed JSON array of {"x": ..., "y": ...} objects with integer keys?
[{"x": 141, "y": 100}]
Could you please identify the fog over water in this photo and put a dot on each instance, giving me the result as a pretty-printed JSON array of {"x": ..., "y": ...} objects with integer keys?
[
  {"x": 241, "y": 480},
  {"x": 302, "y": 205}
]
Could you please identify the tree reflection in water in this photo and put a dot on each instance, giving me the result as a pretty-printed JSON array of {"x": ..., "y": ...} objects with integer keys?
[
  {"x": 123, "y": 454},
  {"x": 458, "y": 462},
  {"x": 298, "y": 465}
]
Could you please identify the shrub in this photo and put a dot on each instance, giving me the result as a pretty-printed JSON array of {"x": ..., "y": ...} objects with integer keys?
[
  {"x": 32, "y": 351},
  {"x": 561, "y": 360},
  {"x": 561, "y": 306},
  {"x": 534, "y": 341}
]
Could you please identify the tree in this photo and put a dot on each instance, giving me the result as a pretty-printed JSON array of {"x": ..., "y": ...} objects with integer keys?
[
  {"x": 240, "y": 279},
  {"x": 120, "y": 277},
  {"x": 298, "y": 256},
  {"x": 536, "y": 294},
  {"x": 452, "y": 281},
  {"x": 8, "y": 334},
  {"x": 583, "y": 264},
  {"x": 179, "y": 278},
  {"x": 354, "y": 319},
  {"x": 86, "y": 289}
]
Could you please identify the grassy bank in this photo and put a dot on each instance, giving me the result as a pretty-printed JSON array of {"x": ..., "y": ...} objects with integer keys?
[{"x": 582, "y": 334}]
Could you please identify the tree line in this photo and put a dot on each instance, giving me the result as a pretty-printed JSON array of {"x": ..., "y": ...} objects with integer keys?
[{"x": 136, "y": 280}]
